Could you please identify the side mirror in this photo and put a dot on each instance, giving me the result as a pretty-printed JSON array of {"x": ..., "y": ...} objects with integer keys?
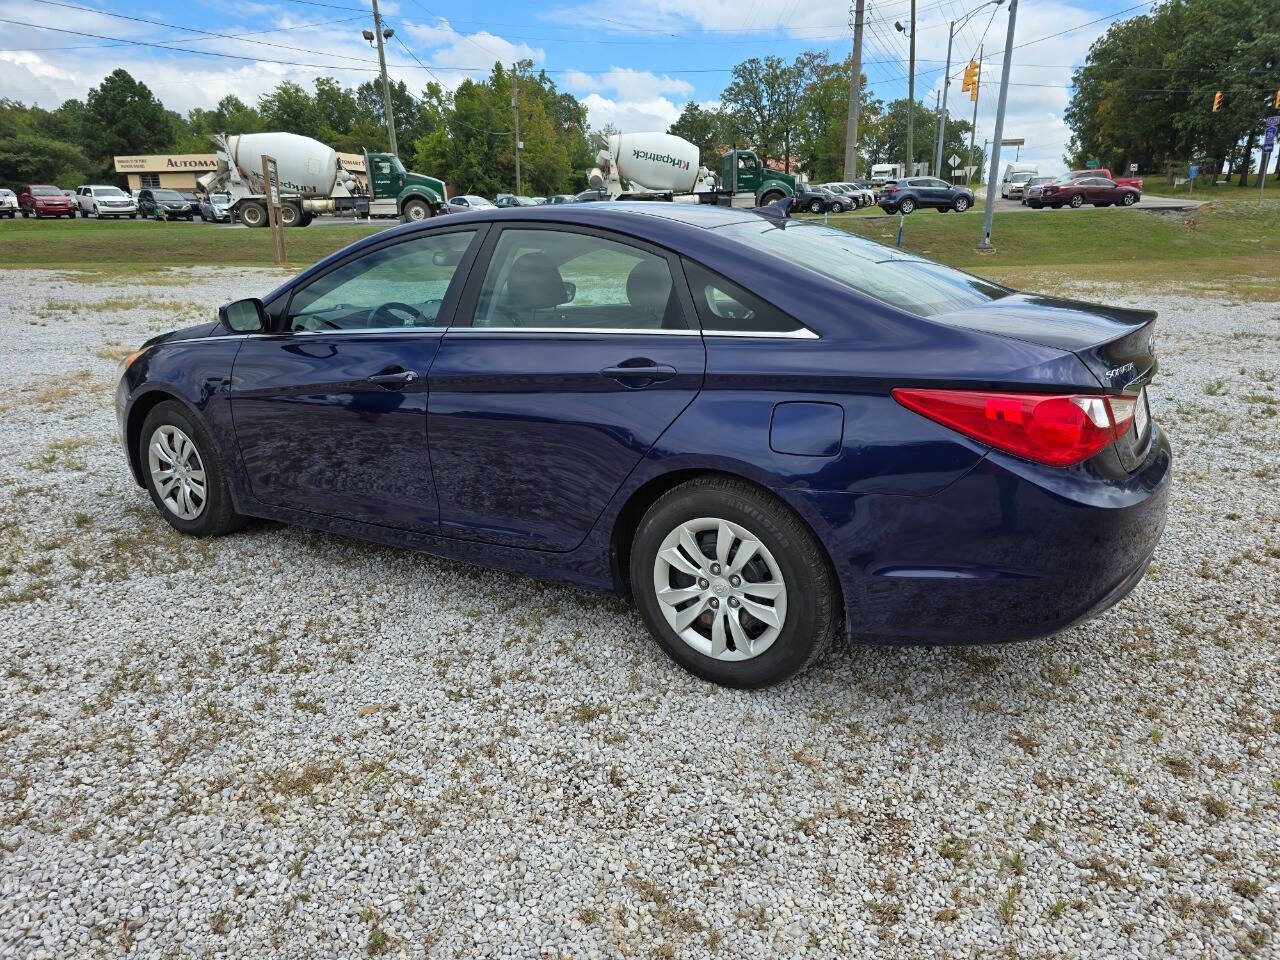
[
  {"x": 570, "y": 291},
  {"x": 243, "y": 316}
]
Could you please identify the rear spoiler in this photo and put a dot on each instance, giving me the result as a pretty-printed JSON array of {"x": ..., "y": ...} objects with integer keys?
[{"x": 777, "y": 212}]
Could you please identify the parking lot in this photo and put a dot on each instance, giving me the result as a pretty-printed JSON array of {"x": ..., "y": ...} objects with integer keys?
[{"x": 283, "y": 743}]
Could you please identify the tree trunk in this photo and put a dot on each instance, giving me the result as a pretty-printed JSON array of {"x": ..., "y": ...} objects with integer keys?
[{"x": 1244, "y": 163}]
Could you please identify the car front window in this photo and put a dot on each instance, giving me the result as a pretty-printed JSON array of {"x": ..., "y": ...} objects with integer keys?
[
  {"x": 916, "y": 285},
  {"x": 401, "y": 285}
]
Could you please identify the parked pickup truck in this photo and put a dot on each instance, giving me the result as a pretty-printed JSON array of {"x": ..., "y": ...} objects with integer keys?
[{"x": 1135, "y": 182}]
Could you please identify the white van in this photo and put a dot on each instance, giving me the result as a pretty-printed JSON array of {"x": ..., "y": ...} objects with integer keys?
[{"x": 1016, "y": 173}]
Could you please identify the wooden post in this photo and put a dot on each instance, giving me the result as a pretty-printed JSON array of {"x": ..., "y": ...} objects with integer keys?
[{"x": 271, "y": 183}]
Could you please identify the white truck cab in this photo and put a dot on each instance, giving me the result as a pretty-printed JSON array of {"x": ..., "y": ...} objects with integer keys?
[
  {"x": 882, "y": 173},
  {"x": 1016, "y": 174}
]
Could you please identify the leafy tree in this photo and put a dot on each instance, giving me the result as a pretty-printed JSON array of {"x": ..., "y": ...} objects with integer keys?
[
  {"x": 28, "y": 158},
  {"x": 761, "y": 103},
  {"x": 289, "y": 107},
  {"x": 122, "y": 116},
  {"x": 704, "y": 128},
  {"x": 824, "y": 117},
  {"x": 888, "y": 137}
]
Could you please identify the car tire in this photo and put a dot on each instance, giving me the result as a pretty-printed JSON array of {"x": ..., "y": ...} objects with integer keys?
[
  {"x": 814, "y": 206},
  {"x": 960, "y": 205},
  {"x": 1077, "y": 201},
  {"x": 906, "y": 206},
  {"x": 1128, "y": 200},
  {"x": 789, "y": 556},
  {"x": 216, "y": 514}
]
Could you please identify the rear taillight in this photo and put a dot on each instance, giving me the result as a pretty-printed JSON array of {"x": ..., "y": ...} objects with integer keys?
[
  {"x": 889, "y": 188},
  {"x": 1050, "y": 428}
]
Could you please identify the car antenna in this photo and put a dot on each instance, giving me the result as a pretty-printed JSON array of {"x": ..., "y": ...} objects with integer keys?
[{"x": 777, "y": 212}]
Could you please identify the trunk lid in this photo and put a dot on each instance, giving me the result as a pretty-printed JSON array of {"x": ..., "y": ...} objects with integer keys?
[{"x": 1116, "y": 344}]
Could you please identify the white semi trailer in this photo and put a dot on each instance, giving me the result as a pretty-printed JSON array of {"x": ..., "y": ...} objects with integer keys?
[{"x": 312, "y": 181}]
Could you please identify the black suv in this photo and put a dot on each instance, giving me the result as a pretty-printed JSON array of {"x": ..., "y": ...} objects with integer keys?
[
  {"x": 903, "y": 196},
  {"x": 815, "y": 199}
]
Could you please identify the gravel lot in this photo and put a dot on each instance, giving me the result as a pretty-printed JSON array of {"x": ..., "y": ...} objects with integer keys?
[{"x": 285, "y": 744}]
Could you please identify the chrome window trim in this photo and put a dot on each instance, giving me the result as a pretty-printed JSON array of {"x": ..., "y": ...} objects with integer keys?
[{"x": 804, "y": 333}]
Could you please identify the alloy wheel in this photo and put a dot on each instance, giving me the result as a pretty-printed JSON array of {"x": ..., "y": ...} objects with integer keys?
[
  {"x": 720, "y": 589},
  {"x": 177, "y": 472}
]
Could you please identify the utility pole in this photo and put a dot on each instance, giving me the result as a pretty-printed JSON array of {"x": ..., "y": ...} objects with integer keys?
[
  {"x": 911, "y": 88},
  {"x": 985, "y": 242},
  {"x": 855, "y": 96},
  {"x": 386, "y": 84},
  {"x": 973, "y": 129},
  {"x": 515, "y": 110},
  {"x": 942, "y": 111}
]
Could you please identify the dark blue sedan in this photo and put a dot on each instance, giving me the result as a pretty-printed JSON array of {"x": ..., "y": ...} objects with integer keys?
[{"x": 768, "y": 433}]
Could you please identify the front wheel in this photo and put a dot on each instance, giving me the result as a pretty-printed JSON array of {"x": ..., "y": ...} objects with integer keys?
[
  {"x": 961, "y": 204},
  {"x": 733, "y": 584},
  {"x": 1077, "y": 201},
  {"x": 906, "y": 206},
  {"x": 415, "y": 210},
  {"x": 1129, "y": 200},
  {"x": 183, "y": 473}
]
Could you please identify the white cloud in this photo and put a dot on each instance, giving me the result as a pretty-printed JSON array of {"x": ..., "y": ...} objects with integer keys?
[
  {"x": 630, "y": 116},
  {"x": 640, "y": 103}
]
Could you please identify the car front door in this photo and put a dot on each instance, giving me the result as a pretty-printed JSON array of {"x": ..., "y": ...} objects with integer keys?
[
  {"x": 330, "y": 408},
  {"x": 572, "y": 352}
]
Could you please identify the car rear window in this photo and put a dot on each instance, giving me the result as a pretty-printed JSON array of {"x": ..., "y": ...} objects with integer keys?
[{"x": 918, "y": 286}]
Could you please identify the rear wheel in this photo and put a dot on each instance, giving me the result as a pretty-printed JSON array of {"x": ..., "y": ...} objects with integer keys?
[
  {"x": 184, "y": 474},
  {"x": 815, "y": 206},
  {"x": 906, "y": 205},
  {"x": 253, "y": 214},
  {"x": 290, "y": 215},
  {"x": 732, "y": 584}
]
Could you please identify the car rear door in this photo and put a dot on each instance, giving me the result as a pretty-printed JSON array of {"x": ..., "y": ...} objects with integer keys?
[
  {"x": 573, "y": 350},
  {"x": 330, "y": 409}
]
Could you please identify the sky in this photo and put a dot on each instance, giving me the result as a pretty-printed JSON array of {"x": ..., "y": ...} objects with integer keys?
[{"x": 634, "y": 65}]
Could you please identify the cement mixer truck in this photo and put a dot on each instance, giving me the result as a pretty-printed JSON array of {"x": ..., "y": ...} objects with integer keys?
[
  {"x": 312, "y": 181},
  {"x": 664, "y": 166}
]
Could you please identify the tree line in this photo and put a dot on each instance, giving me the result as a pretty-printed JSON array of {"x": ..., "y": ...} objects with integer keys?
[
  {"x": 1145, "y": 92},
  {"x": 792, "y": 113},
  {"x": 796, "y": 115}
]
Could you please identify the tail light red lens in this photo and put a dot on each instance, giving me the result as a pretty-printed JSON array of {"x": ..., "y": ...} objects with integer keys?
[
  {"x": 889, "y": 188},
  {"x": 1050, "y": 428}
]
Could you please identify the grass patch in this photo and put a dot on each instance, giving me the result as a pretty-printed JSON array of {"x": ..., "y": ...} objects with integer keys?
[
  {"x": 132, "y": 246},
  {"x": 1226, "y": 247}
]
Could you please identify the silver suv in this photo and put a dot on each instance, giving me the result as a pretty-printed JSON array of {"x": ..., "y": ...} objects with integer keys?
[{"x": 105, "y": 201}]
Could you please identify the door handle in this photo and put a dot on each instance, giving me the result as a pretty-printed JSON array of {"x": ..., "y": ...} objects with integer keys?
[
  {"x": 639, "y": 372},
  {"x": 400, "y": 378}
]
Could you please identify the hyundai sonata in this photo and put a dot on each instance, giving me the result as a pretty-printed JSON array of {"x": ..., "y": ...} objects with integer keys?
[{"x": 768, "y": 433}]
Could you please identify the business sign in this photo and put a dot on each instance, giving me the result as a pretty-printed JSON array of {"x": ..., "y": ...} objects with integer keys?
[{"x": 166, "y": 163}]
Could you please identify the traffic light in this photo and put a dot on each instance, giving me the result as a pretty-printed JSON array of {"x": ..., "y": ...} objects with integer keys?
[
  {"x": 971, "y": 79},
  {"x": 1217, "y": 101},
  {"x": 1277, "y": 103}
]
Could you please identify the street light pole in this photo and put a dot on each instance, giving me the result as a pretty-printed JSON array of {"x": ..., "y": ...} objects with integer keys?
[
  {"x": 946, "y": 84},
  {"x": 985, "y": 242},
  {"x": 911, "y": 89},
  {"x": 515, "y": 110}
]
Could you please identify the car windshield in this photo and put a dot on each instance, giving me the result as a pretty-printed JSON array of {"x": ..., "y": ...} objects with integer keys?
[
  {"x": 1020, "y": 178},
  {"x": 108, "y": 192},
  {"x": 477, "y": 201},
  {"x": 219, "y": 198},
  {"x": 167, "y": 195},
  {"x": 45, "y": 192},
  {"x": 915, "y": 285}
]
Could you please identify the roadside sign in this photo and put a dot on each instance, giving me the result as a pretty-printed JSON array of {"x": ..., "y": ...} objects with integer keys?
[
  {"x": 1013, "y": 142},
  {"x": 271, "y": 177},
  {"x": 1269, "y": 141},
  {"x": 1273, "y": 121},
  {"x": 1133, "y": 168},
  {"x": 955, "y": 160},
  {"x": 1193, "y": 172}
]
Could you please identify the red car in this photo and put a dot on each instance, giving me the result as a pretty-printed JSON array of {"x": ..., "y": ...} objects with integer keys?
[
  {"x": 1135, "y": 182},
  {"x": 44, "y": 201},
  {"x": 1071, "y": 191}
]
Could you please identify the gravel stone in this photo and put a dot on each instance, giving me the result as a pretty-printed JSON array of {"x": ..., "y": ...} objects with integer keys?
[{"x": 185, "y": 770}]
